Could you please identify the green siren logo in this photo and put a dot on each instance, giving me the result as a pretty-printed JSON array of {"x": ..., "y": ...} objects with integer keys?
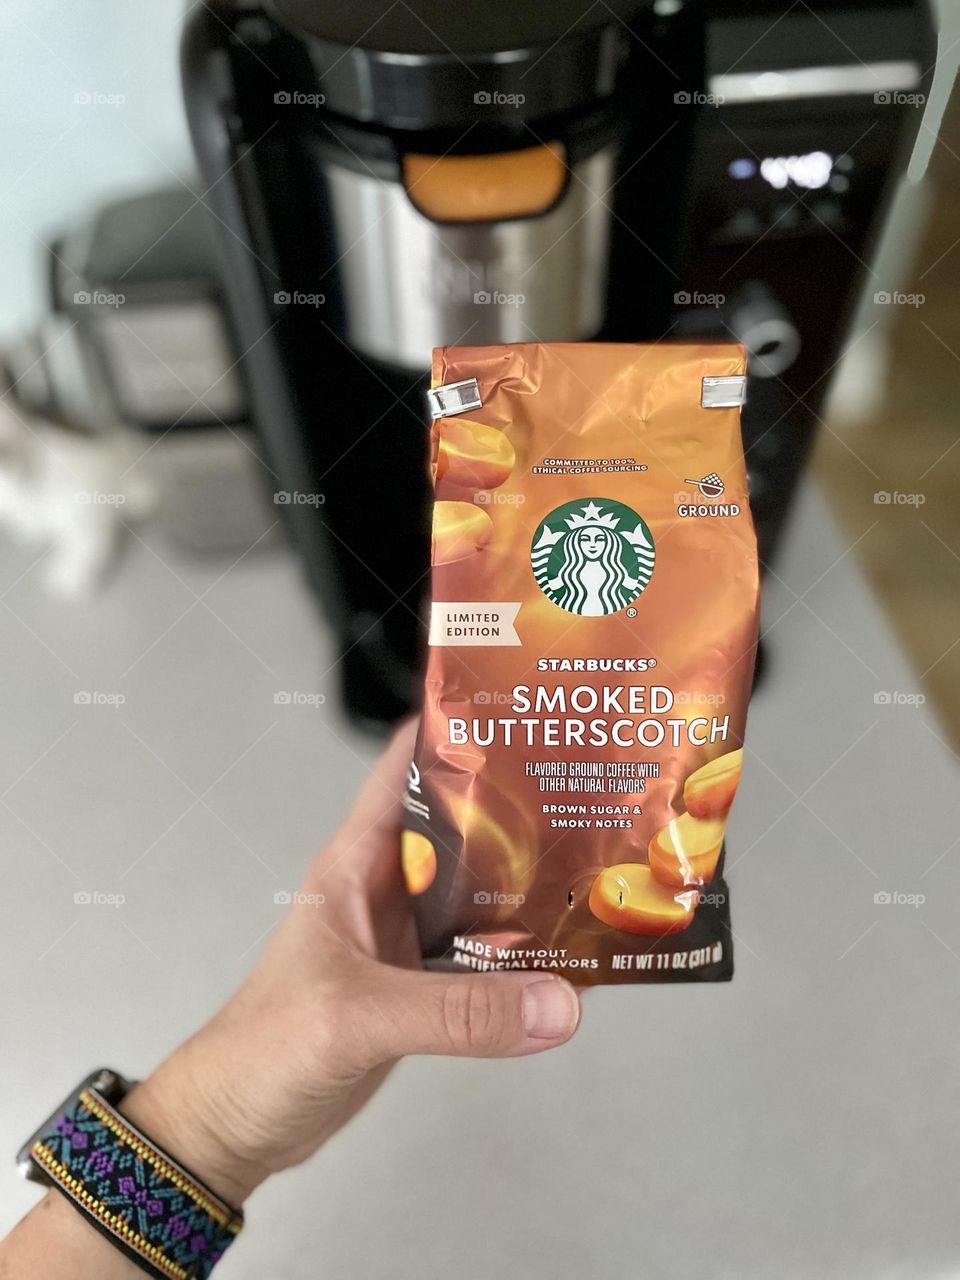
[{"x": 592, "y": 556}]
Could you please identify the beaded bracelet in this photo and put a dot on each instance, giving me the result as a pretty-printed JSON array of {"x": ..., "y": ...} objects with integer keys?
[{"x": 149, "y": 1206}]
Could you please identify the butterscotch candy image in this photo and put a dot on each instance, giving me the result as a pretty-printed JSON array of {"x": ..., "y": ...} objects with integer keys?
[
  {"x": 419, "y": 860},
  {"x": 628, "y": 898},
  {"x": 709, "y": 792},
  {"x": 685, "y": 852},
  {"x": 459, "y": 530},
  {"x": 473, "y": 456}
]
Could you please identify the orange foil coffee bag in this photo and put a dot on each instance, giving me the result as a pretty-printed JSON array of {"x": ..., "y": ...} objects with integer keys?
[{"x": 592, "y": 641}]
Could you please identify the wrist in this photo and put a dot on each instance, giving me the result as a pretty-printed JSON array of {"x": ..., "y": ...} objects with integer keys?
[{"x": 180, "y": 1107}]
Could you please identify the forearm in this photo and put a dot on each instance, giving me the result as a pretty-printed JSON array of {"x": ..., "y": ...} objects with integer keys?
[
  {"x": 305, "y": 1041},
  {"x": 57, "y": 1242}
]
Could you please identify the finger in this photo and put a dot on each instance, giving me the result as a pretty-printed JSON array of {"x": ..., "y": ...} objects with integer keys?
[
  {"x": 500, "y": 1015},
  {"x": 370, "y": 834},
  {"x": 378, "y": 808}
]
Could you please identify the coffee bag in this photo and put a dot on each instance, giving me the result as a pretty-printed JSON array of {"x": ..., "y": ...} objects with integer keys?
[{"x": 592, "y": 642}]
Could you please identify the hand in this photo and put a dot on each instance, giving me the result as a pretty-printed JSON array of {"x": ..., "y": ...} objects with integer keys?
[{"x": 336, "y": 999}]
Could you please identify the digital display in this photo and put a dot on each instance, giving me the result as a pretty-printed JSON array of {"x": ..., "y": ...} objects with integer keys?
[{"x": 810, "y": 170}]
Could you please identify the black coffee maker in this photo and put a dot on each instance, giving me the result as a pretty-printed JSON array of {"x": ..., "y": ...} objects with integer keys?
[{"x": 393, "y": 177}]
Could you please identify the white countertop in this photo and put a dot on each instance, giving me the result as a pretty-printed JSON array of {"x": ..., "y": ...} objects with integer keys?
[{"x": 803, "y": 1121}]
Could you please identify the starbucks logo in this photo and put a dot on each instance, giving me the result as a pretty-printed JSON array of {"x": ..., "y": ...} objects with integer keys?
[{"x": 592, "y": 556}]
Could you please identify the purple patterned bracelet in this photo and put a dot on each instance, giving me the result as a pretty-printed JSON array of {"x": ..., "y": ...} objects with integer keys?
[{"x": 149, "y": 1206}]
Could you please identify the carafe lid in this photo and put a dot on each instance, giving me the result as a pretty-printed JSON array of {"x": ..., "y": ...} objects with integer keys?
[{"x": 440, "y": 64}]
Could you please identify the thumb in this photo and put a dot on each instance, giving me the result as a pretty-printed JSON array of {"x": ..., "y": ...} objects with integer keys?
[{"x": 500, "y": 1015}]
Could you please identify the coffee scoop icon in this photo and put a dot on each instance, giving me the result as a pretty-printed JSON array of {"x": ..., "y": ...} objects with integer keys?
[{"x": 710, "y": 486}]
